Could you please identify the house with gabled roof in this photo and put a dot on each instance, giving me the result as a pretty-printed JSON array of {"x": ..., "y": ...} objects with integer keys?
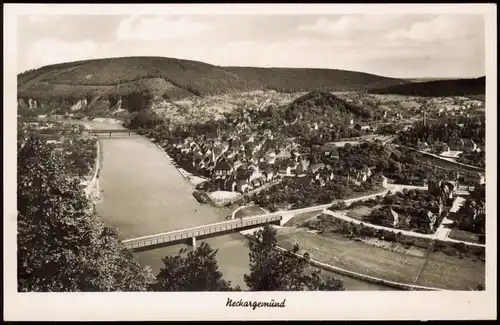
[
  {"x": 255, "y": 183},
  {"x": 230, "y": 184},
  {"x": 266, "y": 170},
  {"x": 223, "y": 167},
  {"x": 197, "y": 159},
  {"x": 383, "y": 181},
  {"x": 363, "y": 174},
  {"x": 286, "y": 170},
  {"x": 269, "y": 174},
  {"x": 254, "y": 171}
]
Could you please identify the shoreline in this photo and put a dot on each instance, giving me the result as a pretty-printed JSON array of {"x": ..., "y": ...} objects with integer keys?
[
  {"x": 357, "y": 276},
  {"x": 185, "y": 174},
  {"x": 92, "y": 190},
  {"x": 330, "y": 268}
]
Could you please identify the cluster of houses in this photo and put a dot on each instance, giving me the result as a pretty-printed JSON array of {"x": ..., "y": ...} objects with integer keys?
[
  {"x": 239, "y": 177},
  {"x": 241, "y": 163},
  {"x": 321, "y": 174},
  {"x": 250, "y": 160},
  {"x": 447, "y": 192},
  {"x": 451, "y": 149},
  {"x": 475, "y": 179}
]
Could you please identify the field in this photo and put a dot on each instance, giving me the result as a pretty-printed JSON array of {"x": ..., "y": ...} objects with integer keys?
[
  {"x": 440, "y": 271},
  {"x": 355, "y": 256},
  {"x": 463, "y": 236},
  {"x": 455, "y": 273}
]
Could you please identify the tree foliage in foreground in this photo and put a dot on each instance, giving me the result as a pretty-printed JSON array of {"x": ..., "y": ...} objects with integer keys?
[
  {"x": 196, "y": 270},
  {"x": 62, "y": 244},
  {"x": 276, "y": 270}
]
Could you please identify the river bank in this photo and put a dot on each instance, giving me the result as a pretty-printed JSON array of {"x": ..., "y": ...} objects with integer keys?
[{"x": 143, "y": 193}]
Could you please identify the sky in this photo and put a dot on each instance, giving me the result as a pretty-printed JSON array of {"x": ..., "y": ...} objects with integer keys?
[{"x": 397, "y": 45}]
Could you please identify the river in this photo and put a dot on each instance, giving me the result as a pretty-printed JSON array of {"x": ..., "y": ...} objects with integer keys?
[{"x": 143, "y": 194}]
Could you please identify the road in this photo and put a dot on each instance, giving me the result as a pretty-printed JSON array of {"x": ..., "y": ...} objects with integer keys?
[
  {"x": 444, "y": 162},
  {"x": 391, "y": 187},
  {"x": 342, "y": 215},
  {"x": 143, "y": 193},
  {"x": 441, "y": 233}
]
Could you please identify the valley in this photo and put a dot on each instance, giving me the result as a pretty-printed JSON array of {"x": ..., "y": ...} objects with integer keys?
[{"x": 282, "y": 140}]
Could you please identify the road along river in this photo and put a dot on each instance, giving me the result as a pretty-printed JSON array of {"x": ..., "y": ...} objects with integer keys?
[{"x": 144, "y": 194}]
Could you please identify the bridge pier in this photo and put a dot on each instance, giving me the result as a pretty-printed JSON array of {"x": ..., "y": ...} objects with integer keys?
[
  {"x": 110, "y": 135},
  {"x": 193, "y": 242}
]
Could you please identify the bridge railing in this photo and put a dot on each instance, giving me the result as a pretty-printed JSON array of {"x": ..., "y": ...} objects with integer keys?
[{"x": 236, "y": 223}]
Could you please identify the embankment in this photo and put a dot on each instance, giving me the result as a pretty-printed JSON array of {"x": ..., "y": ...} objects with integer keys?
[
  {"x": 359, "y": 276},
  {"x": 92, "y": 189},
  {"x": 449, "y": 164}
]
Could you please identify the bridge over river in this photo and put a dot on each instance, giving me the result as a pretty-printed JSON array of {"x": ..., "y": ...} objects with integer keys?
[
  {"x": 144, "y": 194},
  {"x": 200, "y": 232},
  {"x": 100, "y": 131}
]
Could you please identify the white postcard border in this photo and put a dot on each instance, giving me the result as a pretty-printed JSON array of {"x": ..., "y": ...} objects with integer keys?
[{"x": 212, "y": 306}]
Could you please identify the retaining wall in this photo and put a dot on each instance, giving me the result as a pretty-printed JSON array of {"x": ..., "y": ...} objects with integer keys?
[
  {"x": 470, "y": 168},
  {"x": 359, "y": 276}
]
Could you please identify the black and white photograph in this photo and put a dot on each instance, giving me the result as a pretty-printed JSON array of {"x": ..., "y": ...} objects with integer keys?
[{"x": 250, "y": 161}]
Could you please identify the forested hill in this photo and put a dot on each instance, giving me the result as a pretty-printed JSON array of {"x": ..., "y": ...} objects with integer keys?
[
  {"x": 302, "y": 80},
  {"x": 176, "y": 78},
  {"x": 438, "y": 88},
  {"x": 322, "y": 104}
]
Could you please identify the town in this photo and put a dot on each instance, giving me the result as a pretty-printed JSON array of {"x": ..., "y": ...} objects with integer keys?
[{"x": 404, "y": 181}]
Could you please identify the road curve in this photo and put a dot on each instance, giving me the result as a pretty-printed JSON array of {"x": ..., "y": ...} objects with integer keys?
[{"x": 343, "y": 216}]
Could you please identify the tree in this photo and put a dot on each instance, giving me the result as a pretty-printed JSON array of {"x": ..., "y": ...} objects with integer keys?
[
  {"x": 144, "y": 119},
  {"x": 62, "y": 244},
  {"x": 137, "y": 101},
  {"x": 195, "y": 271},
  {"x": 275, "y": 270}
]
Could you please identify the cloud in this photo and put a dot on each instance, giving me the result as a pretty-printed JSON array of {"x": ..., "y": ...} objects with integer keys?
[
  {"x": 50, "y": 51},
  {"x": 353, "y": 42},
  {"x": 159, "y": 28},
  {"x": 440, "y": 28},
  {"x": 352, "y": 24}
]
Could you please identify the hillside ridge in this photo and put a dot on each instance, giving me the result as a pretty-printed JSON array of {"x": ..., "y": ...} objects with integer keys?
[
  {"x": 437, "y": 88},
  {"x": 99, "y": 76}
]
